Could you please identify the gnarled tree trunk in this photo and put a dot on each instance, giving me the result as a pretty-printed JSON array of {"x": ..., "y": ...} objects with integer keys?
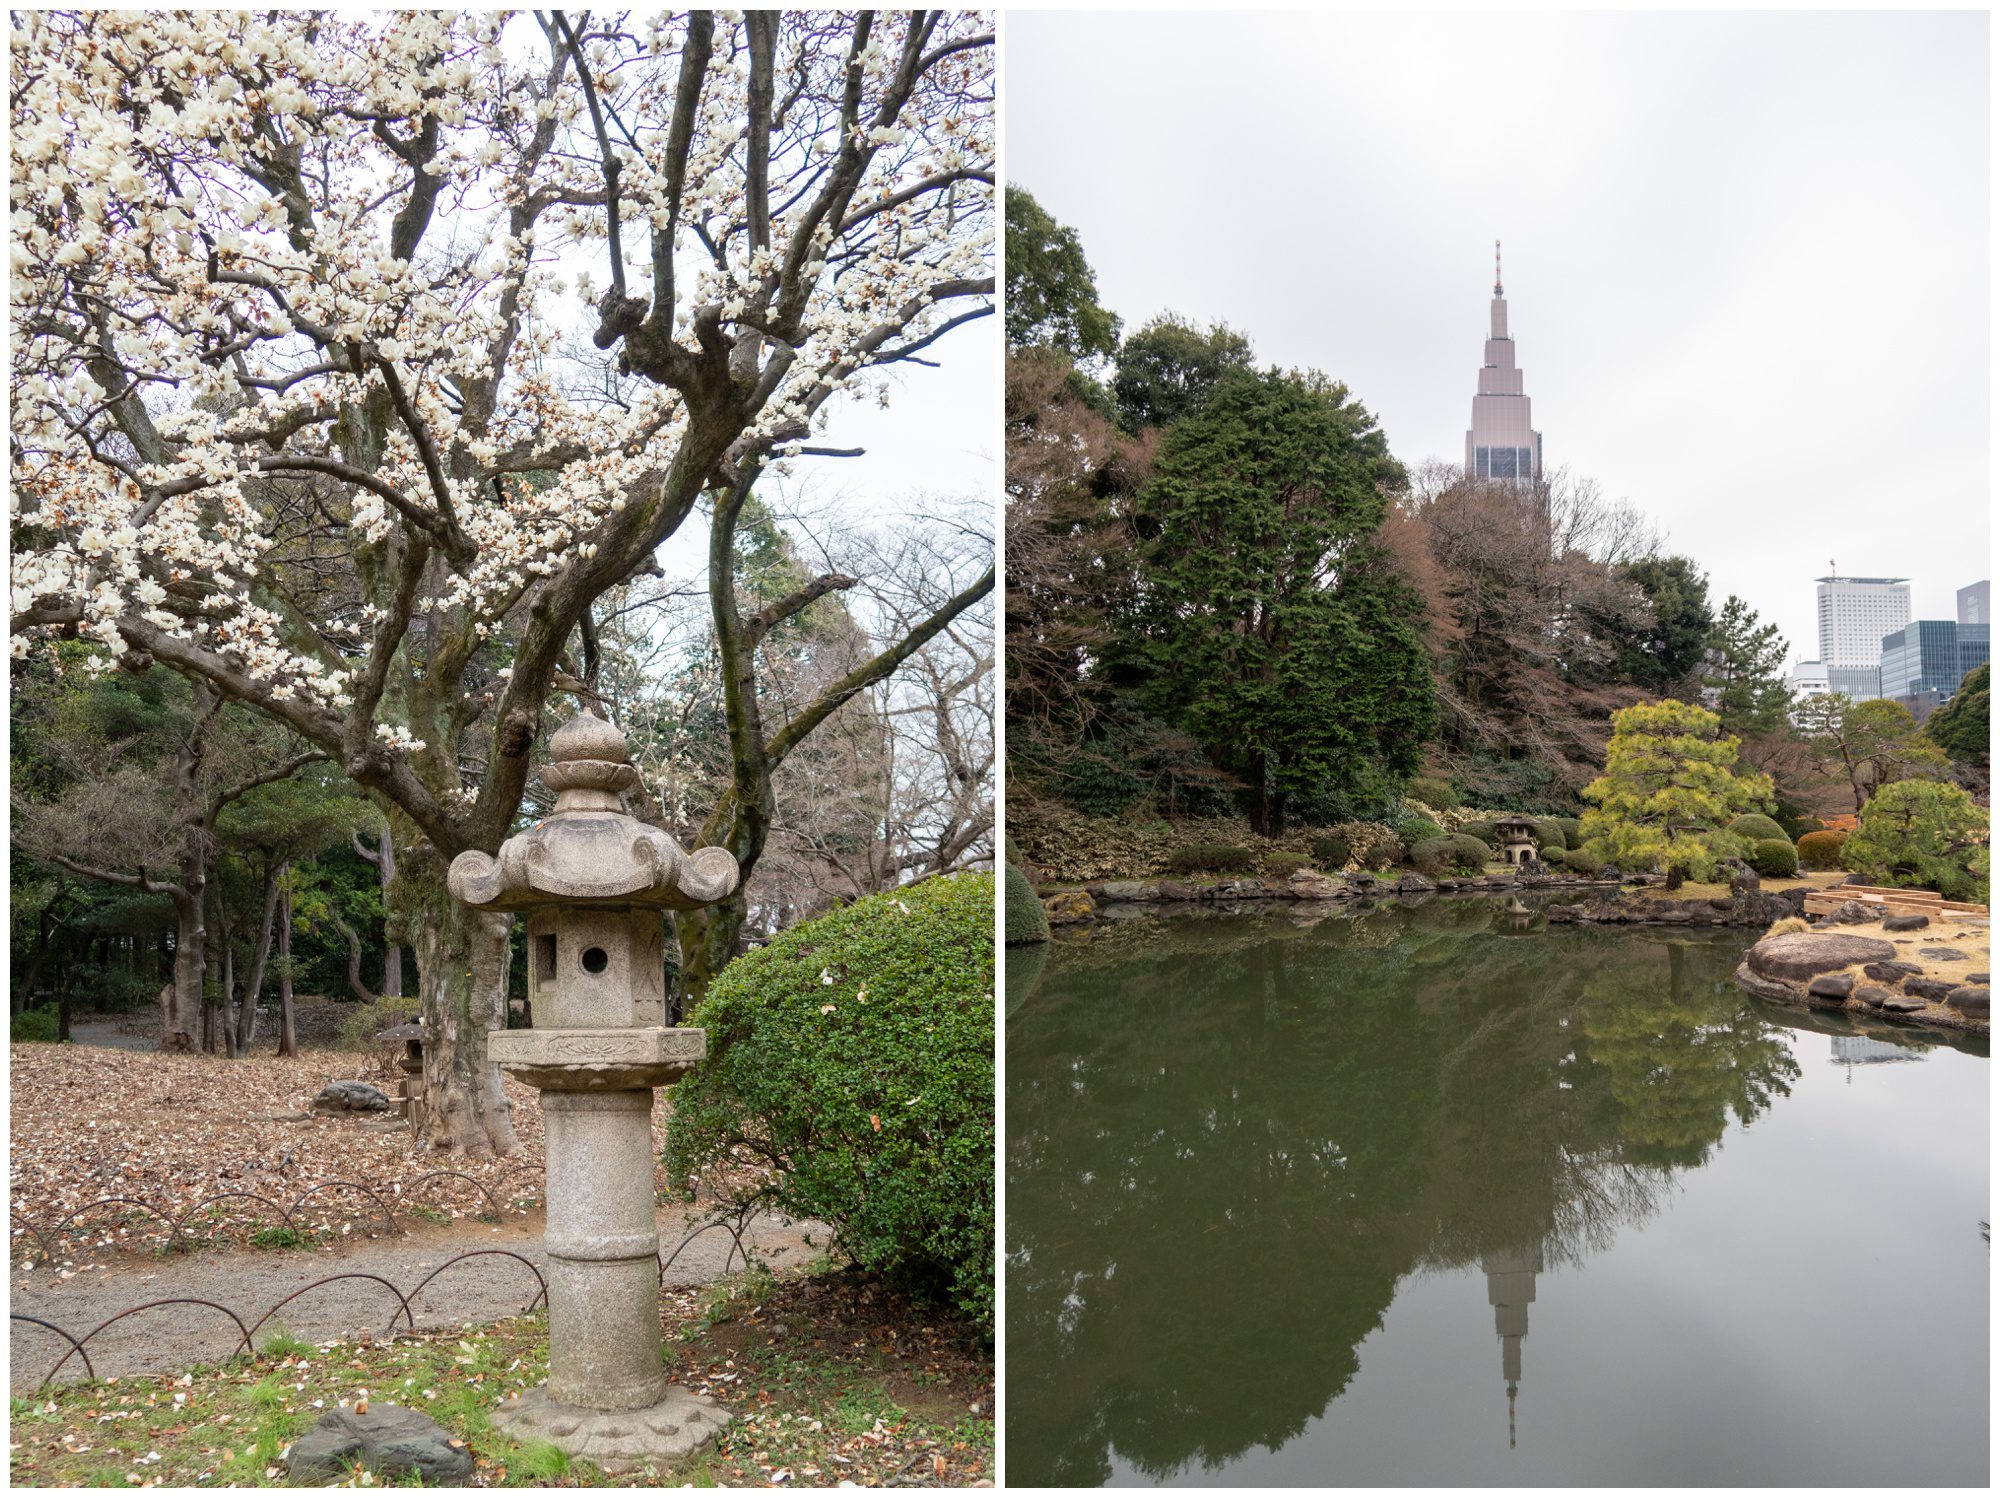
[
  {"x": 462, "y": 983},
  {"x": 288, "y": 1040}
]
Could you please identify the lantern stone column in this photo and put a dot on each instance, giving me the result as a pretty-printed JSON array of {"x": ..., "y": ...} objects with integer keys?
[{"x": 594, "y": 884}]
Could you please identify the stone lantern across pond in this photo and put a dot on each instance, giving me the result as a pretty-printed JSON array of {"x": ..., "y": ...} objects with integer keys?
[{"x": 594, "y": 884}]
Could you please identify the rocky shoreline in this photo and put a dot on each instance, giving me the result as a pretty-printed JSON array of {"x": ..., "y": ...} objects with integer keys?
[
  {"x": 1607, "y": 901},
  {"x": 1901, "y": 969}
]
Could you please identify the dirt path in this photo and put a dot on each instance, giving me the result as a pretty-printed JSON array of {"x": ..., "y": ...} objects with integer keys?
[
  {"x": 250, "y": 1282},
  {"x": 107, "y": 1033}
]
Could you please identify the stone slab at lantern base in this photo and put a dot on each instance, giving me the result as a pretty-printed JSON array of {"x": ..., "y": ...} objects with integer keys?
[
  {"x": 617, "y": 1060},
  {"x": 676, "y": 1428}
]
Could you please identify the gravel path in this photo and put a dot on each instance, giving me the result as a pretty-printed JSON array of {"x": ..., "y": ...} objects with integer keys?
[{"x": 250, "y": 1282}]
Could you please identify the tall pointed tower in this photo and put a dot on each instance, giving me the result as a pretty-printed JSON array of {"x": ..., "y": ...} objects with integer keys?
[{"x": 1503, "y": 443}]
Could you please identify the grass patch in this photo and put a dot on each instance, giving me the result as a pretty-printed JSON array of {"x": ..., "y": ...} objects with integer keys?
[
  {"x": 278, "y": 1238},
  {"x": 828, "y": 1379}
]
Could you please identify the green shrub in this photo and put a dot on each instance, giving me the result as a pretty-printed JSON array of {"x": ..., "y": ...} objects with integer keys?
[
  {"x": 1456, "y": 855},
  {"x": 1922, "y": 834},
  {"x": 358, "y": 1030},
  {"x": 853, "y": 1057},
  {"x": 1821, "y": 850},
  {"x": 1025, "y": 920},
  {"x": 1486, "y": 832},
  {"x": 1211, "y": 858},
  {"x": 1774, "y": 858},
  {"x": 1758, "y": 828},
  {"x": 1411, "y": 829},
  {"x": 1572, "y": 830},
  {"x": 35, "y": 1026},
  {"x": 1549, "y": 835},
  {"x": 1582, "y": 861},
  {"x": 1437, "y": 794},
  {"x": 1330, "y": 851},
  {"x": 1283, "y": 864}
]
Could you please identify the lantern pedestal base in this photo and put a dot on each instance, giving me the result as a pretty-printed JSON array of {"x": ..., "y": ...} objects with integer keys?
[{"x": 676, "y": 1428}]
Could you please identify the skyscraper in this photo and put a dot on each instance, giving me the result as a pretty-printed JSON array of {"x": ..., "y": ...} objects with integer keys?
[
  {"x": 1854, "y": 614},
  {"x": 1503, "y": 442}
]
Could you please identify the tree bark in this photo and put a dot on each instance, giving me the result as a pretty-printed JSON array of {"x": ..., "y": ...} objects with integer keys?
[
  {"x": 462, "y": 982},
  {"x": 288, "y": 1040},
  {"x": 383, "y": 856},
  {"x": 181, "y": 1021},
  {"x": 253, "y": 990}
]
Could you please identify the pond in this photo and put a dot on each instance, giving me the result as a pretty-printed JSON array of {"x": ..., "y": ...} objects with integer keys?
[{"x": 1432, "y": 1194}]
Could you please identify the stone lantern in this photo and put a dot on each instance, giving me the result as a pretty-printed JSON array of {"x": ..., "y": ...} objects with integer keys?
[
  {"x": 1517, "y": 840},
  {"x": 593, "y": 884}
]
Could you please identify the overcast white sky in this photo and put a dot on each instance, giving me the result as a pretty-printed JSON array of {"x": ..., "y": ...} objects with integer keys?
[{"x": 1746, "y": 255}]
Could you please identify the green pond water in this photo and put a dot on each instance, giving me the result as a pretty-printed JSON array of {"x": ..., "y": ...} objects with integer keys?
[{"x": 1429, "y": 1195}]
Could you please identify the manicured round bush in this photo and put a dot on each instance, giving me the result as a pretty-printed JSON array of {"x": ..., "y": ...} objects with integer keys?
[
  {"x": 1582, "y": 861},
  {"x": 1330, "y": 851},
  {"x": 1486, "y": 832},
  {"x": 1821, "y": 850},
  {"x": 1435, "y": 793},
  {"x": 1757, "y": 828},
  {"x": 1211, "y": 858},
  {"x": 1450, "y": 855},
  {"x": 1411, "y": 829},
  {"x": 1774, "y": 858},
  {"x": 1572, "y": 830},
  {"x": 852, "y": 1058},
  {"x": 1023, "y": 919},
  {"x": 1549, "y": 835},
  {"x": 1281, "y": 864}
]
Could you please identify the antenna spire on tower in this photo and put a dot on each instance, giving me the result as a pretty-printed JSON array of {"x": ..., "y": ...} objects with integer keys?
[{"x": 1496, "y": 269}]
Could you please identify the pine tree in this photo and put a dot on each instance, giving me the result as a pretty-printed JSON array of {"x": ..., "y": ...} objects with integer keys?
[{"x": 1669, "y": 790}]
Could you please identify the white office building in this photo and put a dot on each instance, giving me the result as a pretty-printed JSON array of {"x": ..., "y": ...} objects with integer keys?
[{"x": 1854, "y": 615}]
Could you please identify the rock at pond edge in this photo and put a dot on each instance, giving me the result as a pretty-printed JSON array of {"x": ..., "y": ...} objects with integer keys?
[{"x": 389, "y": 1440}]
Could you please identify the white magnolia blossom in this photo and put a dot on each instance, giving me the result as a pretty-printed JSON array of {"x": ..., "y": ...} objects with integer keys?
[{"x": 299, "y": 385}]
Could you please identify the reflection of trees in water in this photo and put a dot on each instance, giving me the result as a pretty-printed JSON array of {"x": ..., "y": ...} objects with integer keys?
[{"x": 1229, "y": 1140}]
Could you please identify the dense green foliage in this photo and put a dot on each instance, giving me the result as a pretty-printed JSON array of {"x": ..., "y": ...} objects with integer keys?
[
  {"x": 1168, "y": 369},
  {"x": 1331, "y": 850},
  {"x": 1450, "y": 855},
  {"x": 1051, "y": 290},
  {"x": 1211, "y": 858},
  {"x": 1283, "y": 863},
  {"x": 1670, "y": 787},
  {"x": 1438, "y": 795},
  {"x": 34, "y": 1027},
  {"x": 1025, "y": 922},
  {"x": 853, "y": 1055},
  {"x": 1820, "y": 851},
  {"x": 1962, "y": 727},
  {"x": 1412, "y": 828},
  {"x": 1922, "y": 834},
  {"x": 1757, "y": 827},
  {"x": 1774, "y": 858},
  {"x": 1663, "y": 655},
  {"x": 1745, "y": 666},
  {"x": 1550, "y": 835},
  {"x": 1268, "y": 627},
  {"x": 1486, "y": 832},
  {"x": 1580, "y": 861}
]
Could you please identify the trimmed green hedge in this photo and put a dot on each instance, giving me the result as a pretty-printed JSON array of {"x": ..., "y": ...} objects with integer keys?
[
  {"x": 1025, "y": 922},
  {"x": 1550, "y": 836},
  {"x": 1486, "y": 832},
  {"x": 1457, "y": 855},
  {"x": 1579, "y": 861},
  {"x": 1821, "y": 850},
  {"x": 1757, "y": 828},
  {"x": 1211, "y": 858},
  {"x": 1283, "y": 864},
  {"x": 854, "y": 1056},
  {"x": 1572, "y": 830},
  {"x": 35, "y": 1027},
  {"x": 1774, "y": 858},
  {"x": 1411, "y": 829},
  {"x": 1438, "y": 795},
  {"x": 1331, "y": 850}
]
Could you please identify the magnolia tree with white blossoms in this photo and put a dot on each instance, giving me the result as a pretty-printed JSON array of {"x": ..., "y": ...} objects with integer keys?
[{"x": 304, "y": 408}]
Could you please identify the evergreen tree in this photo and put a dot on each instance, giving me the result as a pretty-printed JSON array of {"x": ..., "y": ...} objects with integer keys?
[
  {"x": 1666, "y": 654},
  {"x": 1745, "y": 667},
  {"x": 1924, "y": 834},
  {"x": 1963, "y": 726},
  {"x": 1670, "y": 789},
  {"x": 1269, "y": 626},
  {"x": 1169, "y": 367},
  {"x": 1051, "y": 289}
]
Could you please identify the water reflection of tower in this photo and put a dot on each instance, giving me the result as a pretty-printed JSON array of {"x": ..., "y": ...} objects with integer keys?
[
  {"x": 1850, "y": 1051},
  {"x": 1510, "y": 1290}
]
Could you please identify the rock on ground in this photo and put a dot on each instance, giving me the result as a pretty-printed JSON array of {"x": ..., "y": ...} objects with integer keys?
[
  {"x": 350, "y": 1097},
  {"x": 1803, "y": 955},
  {"x": 388, "y": 1440}
]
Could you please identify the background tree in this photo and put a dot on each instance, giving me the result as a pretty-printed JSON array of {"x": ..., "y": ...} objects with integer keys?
[
  {"x": 1051, "y": 289},
  {"x": 1169, "y": 368},
  {"x": 1669, "y": 790},
  {"x": 1267, "y": 625},
  {"x": 1867, "y": 744},
  {"x": 1664, "y": 657},
  {"x": 1963, "y": 728},
  {"x": 1925, "y": 834},
  {"x": 1745, "y": 668},
  {"x": 300, "y": 407}
]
